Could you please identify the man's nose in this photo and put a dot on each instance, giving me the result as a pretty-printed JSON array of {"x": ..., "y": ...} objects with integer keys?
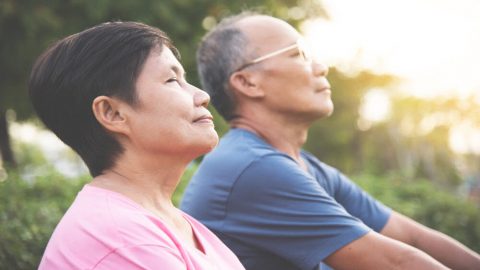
[{"x": 319, "y": 69}]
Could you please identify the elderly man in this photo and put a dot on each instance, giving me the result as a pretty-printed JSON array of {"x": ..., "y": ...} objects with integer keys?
[{"x": 275, "y": 205}]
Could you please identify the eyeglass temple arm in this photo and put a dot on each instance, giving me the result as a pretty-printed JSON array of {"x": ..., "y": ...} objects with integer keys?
[{"x": 272, "y": 54}]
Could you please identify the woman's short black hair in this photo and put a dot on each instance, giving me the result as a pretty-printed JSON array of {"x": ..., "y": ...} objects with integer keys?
[{"x": 103, "y": 60}]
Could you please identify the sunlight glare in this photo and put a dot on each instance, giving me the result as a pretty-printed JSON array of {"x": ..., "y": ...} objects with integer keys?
[
  {"x": 375, "y": 107},
  {"x": 432, "y": 45},
  {"x": 464, "y": 139}
]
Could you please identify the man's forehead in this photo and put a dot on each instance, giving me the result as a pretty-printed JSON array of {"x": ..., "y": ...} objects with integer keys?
[
  {"x": 259, "y": 20},
  {"x": 263, "y": 28}
]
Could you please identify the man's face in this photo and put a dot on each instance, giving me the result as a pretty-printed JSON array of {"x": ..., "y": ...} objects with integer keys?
[{"x": 293, "y": 86}]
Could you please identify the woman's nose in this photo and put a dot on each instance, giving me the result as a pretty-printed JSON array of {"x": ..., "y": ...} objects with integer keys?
[{"x": 200, "y": 97}]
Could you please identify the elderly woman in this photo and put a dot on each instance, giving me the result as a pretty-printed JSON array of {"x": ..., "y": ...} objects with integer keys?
[{"x": 116, "y": 93}]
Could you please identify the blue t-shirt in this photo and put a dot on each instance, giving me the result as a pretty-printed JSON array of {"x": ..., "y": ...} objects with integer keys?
[{"x": 273, "y": 214}]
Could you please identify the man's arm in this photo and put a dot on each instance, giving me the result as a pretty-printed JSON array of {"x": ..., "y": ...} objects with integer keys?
[
  {"x": 438, "y": 245},
  {"x": 441, "y": 247},
  {"x": 375, "y": 251}
]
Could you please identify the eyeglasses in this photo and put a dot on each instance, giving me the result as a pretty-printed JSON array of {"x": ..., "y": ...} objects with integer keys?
[{"x": 300, "y": 45}]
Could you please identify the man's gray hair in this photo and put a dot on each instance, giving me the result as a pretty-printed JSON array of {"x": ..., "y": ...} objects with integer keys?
[{"x": 221, "y": 52}]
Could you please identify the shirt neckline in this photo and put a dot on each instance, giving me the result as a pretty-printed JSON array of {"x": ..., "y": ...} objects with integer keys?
[
  {"x": 259, "y": 139},
  {"x": 201, "y": 242}
]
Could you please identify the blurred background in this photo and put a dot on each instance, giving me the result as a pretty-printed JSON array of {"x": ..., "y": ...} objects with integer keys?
[{"x": 406, "y": 125}]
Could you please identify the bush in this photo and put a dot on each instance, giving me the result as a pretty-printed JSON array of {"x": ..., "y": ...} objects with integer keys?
[
  {"x": 177, "y": 196},
  {"x": 429, "y": 205},
  {"x": 29, "y": 211}
]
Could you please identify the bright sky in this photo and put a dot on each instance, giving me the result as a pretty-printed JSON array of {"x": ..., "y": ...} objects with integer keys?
[{"x": 433, "y": 44}]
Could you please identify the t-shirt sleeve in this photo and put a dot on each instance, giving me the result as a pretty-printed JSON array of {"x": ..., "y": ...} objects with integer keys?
[
  {"x": 359, "y": 203},
  {"x": 276, "y": 206},
  {"x": 145, "y": 257}
]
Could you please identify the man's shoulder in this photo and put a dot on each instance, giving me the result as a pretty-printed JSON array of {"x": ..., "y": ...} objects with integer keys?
[
  {"x": 320, "y": 166},
  {"x": 244, "y": 142},
  {"x": 235, "y": 151},
  {"x": 238, "y": 154}
]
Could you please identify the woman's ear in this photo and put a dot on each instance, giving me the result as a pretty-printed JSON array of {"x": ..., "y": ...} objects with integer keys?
[
  {"x": 109, "y": 112},
  {"x": 246, "y": 84}
]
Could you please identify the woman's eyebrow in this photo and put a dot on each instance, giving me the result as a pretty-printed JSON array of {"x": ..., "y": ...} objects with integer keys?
[{"x": 178, "y": 70}]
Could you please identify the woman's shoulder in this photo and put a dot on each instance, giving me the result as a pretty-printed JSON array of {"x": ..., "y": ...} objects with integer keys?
[
  {"x": 100, "y": 222},
  {"x": 109, "y": 218}
]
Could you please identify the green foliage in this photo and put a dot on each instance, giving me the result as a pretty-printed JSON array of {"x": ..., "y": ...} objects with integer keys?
[
  {"x": 29, "y": 211},
  {"x": 427, "y": 204},
  {"x": 33, "y": 198},
  {"x": 177, "y": 196}
]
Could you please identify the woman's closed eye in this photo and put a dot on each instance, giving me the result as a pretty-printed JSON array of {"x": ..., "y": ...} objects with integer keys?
[
  {"x": 173, "y": 79},
  {"x": 178, "y": 80}
]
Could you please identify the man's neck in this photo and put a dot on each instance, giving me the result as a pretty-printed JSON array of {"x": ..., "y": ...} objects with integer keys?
[{"x": 282, "y": 134}]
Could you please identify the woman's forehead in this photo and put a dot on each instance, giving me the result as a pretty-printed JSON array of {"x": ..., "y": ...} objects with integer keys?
[{"x": 164, "y": 60}]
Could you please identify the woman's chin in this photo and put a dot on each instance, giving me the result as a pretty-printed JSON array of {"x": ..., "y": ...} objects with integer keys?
[
  {"x": 211, "y": 142},
  {"x": 205, "y": 145}
]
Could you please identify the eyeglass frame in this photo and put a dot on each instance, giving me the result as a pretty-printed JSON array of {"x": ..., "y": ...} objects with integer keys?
[{"x": 299, "y": 44}]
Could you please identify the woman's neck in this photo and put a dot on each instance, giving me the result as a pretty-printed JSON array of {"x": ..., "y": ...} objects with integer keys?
[{"x": 150, "y": 186}]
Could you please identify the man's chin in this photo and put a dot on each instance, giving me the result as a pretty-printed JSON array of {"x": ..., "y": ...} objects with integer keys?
[{"x": 326, "y": 112}]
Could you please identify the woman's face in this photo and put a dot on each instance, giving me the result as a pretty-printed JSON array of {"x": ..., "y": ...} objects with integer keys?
[{"x": 170, "y": 116}]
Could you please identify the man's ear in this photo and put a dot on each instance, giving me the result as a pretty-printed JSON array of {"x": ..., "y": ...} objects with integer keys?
[
  {"x": 109, "y": 113},
  {"x": 246, "y": 84}
]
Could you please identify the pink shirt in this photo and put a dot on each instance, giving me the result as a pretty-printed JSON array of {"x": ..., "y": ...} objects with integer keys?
[{"x": 106, "y": 230}]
